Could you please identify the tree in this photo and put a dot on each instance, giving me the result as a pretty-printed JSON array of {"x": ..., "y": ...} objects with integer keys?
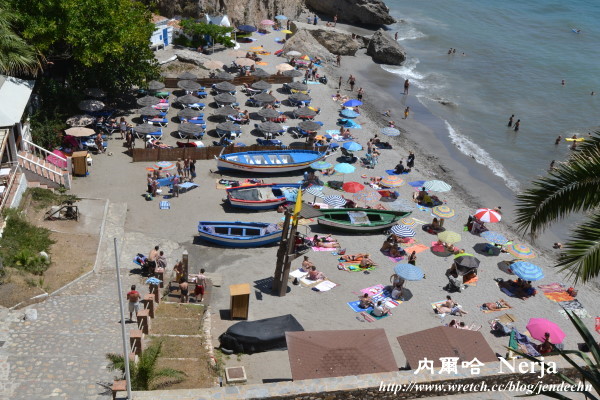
[
  {"x": 570, "y": 188},
  {"x": 198, "y": 31},
  {"x": 144, "y": 372},
  {"x": 16, "y": 56}
]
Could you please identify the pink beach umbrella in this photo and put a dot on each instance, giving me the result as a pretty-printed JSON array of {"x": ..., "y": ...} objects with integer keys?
[
  {"x": 487, "y": 215},
  {"x": 267, "y": 22},
  {"x": 165, "y": 165},
  {"x": 538, "y": 327}
]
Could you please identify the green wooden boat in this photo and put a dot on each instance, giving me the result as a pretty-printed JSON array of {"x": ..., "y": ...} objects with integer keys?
[{"x": 360, "y": 219}]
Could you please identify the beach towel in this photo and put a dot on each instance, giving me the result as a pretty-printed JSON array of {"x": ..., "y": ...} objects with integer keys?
[
  {"x": 437, "y": 303},
  {"x": 371, "y": 290},
  {"x": 325, "y": 286},
  {"x": 559, "y": 296},
  {"x": 420, "y": 207},
  {"x": 381, "y": 293},
  {"x": 552, "y": 287},
  {"x": 472, "y": 281},
  {"x": 139, "y": 259},
  {"x": 354, "y": 306},
  {"x": 309, "y": 283},
  {"x": 500, "y": 309},
  {"x": 184, "y": 187},
  {"x": 507, "y": 318},
  {"x": 418, "y": 248},
  {"x": 409, "y": 241},
  {"x": 313, "y": 82},
  {"x": 353, "y": 266},
  {"x": 581, "y": 313},
  {"x": 508, "y": 292},
  {"x": 298, "y": 274},
  {"x": 369, "y": 317},
  {"x": 391, "y": 172},
  {"x": 324, "y": 248},
  {"x": 575, "y": 306},
  {"x": 164, "y": 205},
  {"x": 396, "y": 259}
]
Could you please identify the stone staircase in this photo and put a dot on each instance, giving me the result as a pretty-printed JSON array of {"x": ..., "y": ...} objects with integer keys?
[{"x": 39, "y": 170}]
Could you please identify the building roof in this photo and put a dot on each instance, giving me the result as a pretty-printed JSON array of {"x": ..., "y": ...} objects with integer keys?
[
  {"x": 325, "y": 354},
  {"x": 158, "y": 19},
  {"x": 14, "y": 96},
  {"x": 443, "y": 341}
]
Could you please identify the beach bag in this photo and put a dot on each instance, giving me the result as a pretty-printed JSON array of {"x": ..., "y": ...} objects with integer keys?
[
  {"x": 572, "y": 292},
  {"x": 323, "y": 80}
]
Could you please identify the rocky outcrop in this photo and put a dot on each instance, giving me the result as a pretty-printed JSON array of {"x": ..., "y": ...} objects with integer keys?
[
  {"x": 190, "y": 57},
  {"x": 305, "y": 43},
  {"x": 367, "y": 12},
  {"x": 384, "y": 49},
  {"x": 333, "y": 39}
]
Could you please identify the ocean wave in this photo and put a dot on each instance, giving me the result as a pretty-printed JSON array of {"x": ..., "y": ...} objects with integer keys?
[
  {"x": 406, "y": 70},
  {"x": 409, "y": 33},
  {"x": 441, "y": 100},
  {"x": 467, "y": 147}
]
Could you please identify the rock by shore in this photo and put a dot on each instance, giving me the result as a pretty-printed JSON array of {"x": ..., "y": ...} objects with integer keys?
[
  {"x": 335, "y": 40},
  {"x": 367, "y": 12},
  {"x": 384, "y": 49},
  {"x": 305, "y": 43}
]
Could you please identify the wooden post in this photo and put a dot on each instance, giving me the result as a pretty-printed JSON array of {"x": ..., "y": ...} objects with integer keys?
[
  {"x": 184, "y": 259},
  {"x": 288, "y": 260},
  {"x": 281, "y": 252}
]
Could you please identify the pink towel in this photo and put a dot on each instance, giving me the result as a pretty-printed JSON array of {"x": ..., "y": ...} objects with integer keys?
[
  {"x": 325, "y": 248},
  {"x": 396, "y": 259}
]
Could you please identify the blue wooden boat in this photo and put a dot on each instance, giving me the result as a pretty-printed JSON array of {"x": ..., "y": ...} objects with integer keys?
[
  {"x": 239, "y": 234},
  {"x": 270, "y": 161},
  {"x": 262, "y": 196}
]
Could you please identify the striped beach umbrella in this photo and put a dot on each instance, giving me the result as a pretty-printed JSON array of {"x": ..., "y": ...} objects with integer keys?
[
  {"x": 520, "y": 251},
  {"x": 487, "y": 215},
  {"x": 392, "y": 181},
  {"x": 334, "y": 201},
  {"x": 494, "y": 237},
  {"x": 449, "y": 237},
  {"x": 366, "y": 196},
  {"x": 165, "y": 165},
  {"x": 352, "y": 146},
  {"x": 527, "y": 271},
  {"x": 390, "y": 131},
  {"x": 437, "y": 186},
  {"x": 443, "y": 212},
  {"x": 403, "y": 230},
  {"x": 319, "y": 165},
  {"x": 409, "y": 272},
  {"x": 316, "y": 191},
  {"x": 408, "y": 221}
]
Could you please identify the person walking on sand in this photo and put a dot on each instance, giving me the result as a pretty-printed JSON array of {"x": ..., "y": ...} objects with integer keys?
[
  {"x": 133, "y": 296},
  {"x": 406, "y": 86},
  {"x": 335, "y": 20},
  {"x": 192, "y": 170},
  {"x": 200, "y": 281},
  {"x": 352, "y": 82},
  {"x": 360, "y": 93},
  {"x": 396, "y": 36},
  {"x": 517, "y": 125},
  {"x": 410, "y": 161},
  {"x": 315, "y": 20},
  {"x": 412, "y": 259},
  {"x": 406, "y": 112},
  {"x": 340, "y": 83},
  {"x": 338, "y": 60},
  {"x": 510, "y": 120}
]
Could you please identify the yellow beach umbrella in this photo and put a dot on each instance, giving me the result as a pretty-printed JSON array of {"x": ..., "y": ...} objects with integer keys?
[
  {"x": 443, "y": 211},
  {"x": 449, "y": 237}
]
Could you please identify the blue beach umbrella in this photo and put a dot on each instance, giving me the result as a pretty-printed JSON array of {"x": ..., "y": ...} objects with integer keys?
[
  {"x": 352, "y": 146},
  {"x": 390, "y": 131},
  {"x": 353, "y": 103},
  {"x": 344, "y": 168},
  {"x": 318, "y": 165},
  {"x": 349, "y": 113},
  {"x": 527, "y": 271},
  {"x": 494, "y": 237},
  {"x": 334, "y": 201},
  {"x": 153, "y": 281},
  {"x": 281, "y": 17},
  {"x": 416, "y": 183},
  {"x": 409, "y": 272},
  {"x": 247, "y": 28},
  {"x": 403, "y": 230}
]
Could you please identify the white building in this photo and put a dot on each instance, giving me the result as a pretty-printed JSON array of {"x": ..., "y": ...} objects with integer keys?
[{"x": 163, "y": 33}]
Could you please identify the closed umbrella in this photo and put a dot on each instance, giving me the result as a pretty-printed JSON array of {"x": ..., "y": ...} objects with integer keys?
[
  {"x": 81, "y": 120},
  {"x": 188, "y": 113},
  {"x": 353, "y": 103},
  {"x": 349, "y": 113},
  {"x": 344, "y": 168},
  {"x": 213, "y": 64},
  {"x": 409, "y": 272},
  {"x": 264, "y": 98},
  {"x": 309, "y": 126},
  {"x": 225, "y": 98},
  {"x": 390, "y": 131},
  {"x": 148, "y": 101},
  {"x": 165, "y": 165},
  {"x": 145, "y": 129},
  {"x": 392, "y": 181},
  {"x": 316, "y": 191},
  {"x": 268, "y": 113},
  {"x": 298, "y": 86},
  {"x": 246, "y": 28},
  {"x": 269, "y": 127},
  {"x": 188, "y": 99},
  {"x": 487, "y": 215},
  {"x": 188, "y": 85},
  {"x": 267, "y": 22},
  {"x": 228, "y": 126},
  {"x": 190, "y": 129},
  {"x": 187, "y": 76},
  {"x": 305, "y": 112},
  {"x": 538, "y": 327},
  {"x": 95, "y": 92},
  {"x": 261, "y": 73},
  {"x": 225, "y": 87},
  {"x": 80, "y": 132},
  {"x": 334, "y": 201},
  {"x": 285, "y": 67},
  {"x": 494, "y": 237},
  {"x": 261, "y": 85},
  {"x": 443, "y": 211},
  {"x": 437, "y": 186},
  {"x": 226, "y": 111},
  {"x": 244, "y": 62},
  {"x": 155, "y": 85},
  {"x": 294, "y": 73},
  {"x": 319, "y": 165},
  {"x": 527, "y": 271},
  {"x": 91, "y": 105},
  {"x": 366, "y": 196},
  {"x": 449, "y": 237},
  {"x": 296, "y": 97},
  {"x": 520, "y": 251},
  {"x": 225, "y": 76},
  {"x": 352, "y": 187},
  {"x": 352, "y": 146},
  {"x": 403, "y": 231},
  {"x": 467, "y": 262}
]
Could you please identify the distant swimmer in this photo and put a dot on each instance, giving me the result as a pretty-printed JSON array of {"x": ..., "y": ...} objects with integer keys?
[
  {"x": 558, "y": 139},
  {"x": 563, "y": 82},
  {"x": 517, "y": 125},
  {"x": 575, "y": 30},
  {"x": 510, "y": 120},
  {"x": 552, "y": 165},
  {"x": 396, "y": 36},
  {"x": 591, "y": 94}
]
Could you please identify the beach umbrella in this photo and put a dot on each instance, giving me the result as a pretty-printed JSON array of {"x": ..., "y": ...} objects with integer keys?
[
  {"x": 285, "y": 67},
  {"x": 188, "y": 99},
  {"x": 298, "y": 86},
  {"x": 392, "y": 181},
  {"x": 228, "y": 126},
  {"x": 225, "y": 98},
  {"x": 165, "y": 165},
  {"x": 345, "y": 168},
  {"x": 238, "y": 53},
  {"x": 267, "y": 22},
  {"x": 417, "y": 184},
  {"x": 527, "y": 271},
  {"x": 81, "y": 120},
  {"x": 188, "y": 85},
  {"x": 293, "y": 53},
  {"x": 319, "y": 165},
  {"x": 153, "y": 281},
  {"x": 296, "y": 97},
  {"x": 408, "y": 221},
  {"x": 294, "y": 73},
  {"x": 286, "y": 31},
  {"x": 352, "y": 103},
  {"x": 95, "y": 92},
  {"x": 149, "y": 111},
  {"x": 443, "y": 211},
  {"x": 520, "y": 251},
  {"x": 366, "y": 196},
  {"x": 305, "y": 111},
  {"x": 487, "y": 215},
  {"x": 352, "y": 146},
  {"x": 538, "y": 327},
  {"x": 155, "y": 85},
  {"x": 146, "y": 129},
  {"x": 225, "y": 87},
  {"x": 245, "y": 62},
  {"x": 409, "y": 272},
  {"x": 261, "y": 85},
  {"x": 449, "y": 237},
  {"x": 213, "y": 64},
  {"x": 349, "y": 113},
  {"x": 334, "y": 201},
  {"x": 352, "y": 187},
  {"x": 390, "y": 131},
  {"x": 225, "y": 76},
  {"x": 264, "y": 98},
  {"x": 247, "y": 28},
  {"x": 494, "y": 237},
  {"x": 401, "y": 205},
  {"x": 187, "y": 76},
  {"x": 269, "y": 127},
  {"x": 437, "y": 186},
  {"x": 403, "y": 231},
  {"x": 80, "y": 131},
  {"x": 91, "y": 105},
  {"x": 315, "y": 190},
  {"x": 281, "y": 17},
  {"x": 305, "y": 58},
  {"x": 188, "y": 113},
  {"x": 309, "y": 126},
  {"x": 190, "y": 129},
  {"x": 466, "y": 261},
  {"x": 261, "y": 73},
  {"x": 268, "y": 113},
  {"x": 226, "y": 111},
  {"x": 148, "y": 101}
]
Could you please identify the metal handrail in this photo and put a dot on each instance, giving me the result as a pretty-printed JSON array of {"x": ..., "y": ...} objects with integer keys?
[
  {"x": 48, "y": 153},
  {"x": 41, "y": 166},
  {"x": 8, "y": 189}
]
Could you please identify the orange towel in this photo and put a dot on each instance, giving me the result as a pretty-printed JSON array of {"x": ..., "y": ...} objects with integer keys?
[
  {"x": 416, "y": 248},
  {"x": 559, "y": 296},
  {"x": 472, "y": 281}
]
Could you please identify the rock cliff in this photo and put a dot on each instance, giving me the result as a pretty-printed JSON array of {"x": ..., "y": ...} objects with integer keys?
[
  {"x": 333, "y": 39},
  {"x": 384, "y": 49},
  {"x": 305, "y": 43},
  {"x": 368, "y": 12}
]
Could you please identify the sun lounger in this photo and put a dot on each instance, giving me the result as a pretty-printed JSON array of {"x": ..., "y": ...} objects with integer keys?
[
  {"x": 163, "y": 122},
  {"x": 184, "y": 187}
]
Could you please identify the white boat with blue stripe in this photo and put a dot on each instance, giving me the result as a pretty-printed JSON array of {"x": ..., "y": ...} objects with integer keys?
[
  {"x": 263, "y": 196},
  {"x": 270, "y": 161},
  {"x": 239, "y": 234}
]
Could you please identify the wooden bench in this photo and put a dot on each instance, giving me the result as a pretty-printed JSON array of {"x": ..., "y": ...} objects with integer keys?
[{"x": 118, "y": 386}]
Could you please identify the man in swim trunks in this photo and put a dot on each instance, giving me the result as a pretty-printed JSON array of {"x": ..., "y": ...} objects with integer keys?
[
  {"x": 183, "y": 289},
  {"x": 133, "y": 296},
  {"x": 200, "y": 282}
]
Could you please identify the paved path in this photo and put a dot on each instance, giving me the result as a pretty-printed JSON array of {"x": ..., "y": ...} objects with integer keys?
[{"x": 62, "y": 353}]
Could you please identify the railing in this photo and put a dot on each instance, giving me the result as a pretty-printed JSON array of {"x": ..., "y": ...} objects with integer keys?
[
  {"x": 237, "y": 81},
  {"x": 65, "y": 175},
  {"x": 9, "y": 185},
  {"x": 43, "y": 154}
]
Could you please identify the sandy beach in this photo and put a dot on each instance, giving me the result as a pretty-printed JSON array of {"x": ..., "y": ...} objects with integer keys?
[{"x": 120, "y": 180}]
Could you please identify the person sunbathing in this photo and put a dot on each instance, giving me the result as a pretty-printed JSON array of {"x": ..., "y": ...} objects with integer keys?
[
  {"x": 397, "y": 291},
  {"x": 499, "y": 305},
  {"x": 327, "y": 245},
  {"x": 346, "y": 133},
  {"x": 366, "y": 262},
  {"x": 354, "y": 257},
  {"x": 387, "y": 245},
  {"x": 450, "y": 306},
  {"x": 314, "y": 275},
  {"x": 397, "y": 251},
  {"x": 327, "y": 238},
  {"x": 546, "y": 347},
  {"x": 307, "y": 264},
  {"x": 365, "y": 301}
]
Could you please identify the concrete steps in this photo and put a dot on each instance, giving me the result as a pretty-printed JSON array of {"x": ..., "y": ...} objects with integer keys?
[{"x": 50, "y": 175}]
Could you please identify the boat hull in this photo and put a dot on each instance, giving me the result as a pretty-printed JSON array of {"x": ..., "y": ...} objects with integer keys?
[
  {"x": 383, "y": 220},
  {"x": 267, "y": 204},
  {"x": 241, "y": 243},
  {"x": 239, "y": 234},
  {"x": 270, "y": 162},
  {"x": 356, "y": 228}
]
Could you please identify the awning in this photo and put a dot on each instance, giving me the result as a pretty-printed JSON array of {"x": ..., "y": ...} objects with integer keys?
[{"x": 14, "y": 96}]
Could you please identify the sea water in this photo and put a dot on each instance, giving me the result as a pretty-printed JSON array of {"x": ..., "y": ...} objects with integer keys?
[{"x": 516, "y": 55}]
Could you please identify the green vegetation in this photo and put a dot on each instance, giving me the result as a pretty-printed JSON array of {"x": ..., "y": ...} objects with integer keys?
[
  {"x": 198, "y": 32},
  {"x": 572, "y": 187},
  {"x": 16, "y": 55},
  {"x": 43, "y": 198}
]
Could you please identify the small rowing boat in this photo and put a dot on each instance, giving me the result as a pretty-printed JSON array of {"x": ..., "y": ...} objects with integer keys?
[
  {"x": 239, "y": 234},
  {"x": 270, "y": 161},
  {"x": 262, "y": 196},
  {"x": 360, "y": 219}
]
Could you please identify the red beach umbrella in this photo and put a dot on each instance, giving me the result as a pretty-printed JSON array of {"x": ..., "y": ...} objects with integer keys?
[
  {"x": 352, "y": 187},
  {"x": 488, "y": 215}
]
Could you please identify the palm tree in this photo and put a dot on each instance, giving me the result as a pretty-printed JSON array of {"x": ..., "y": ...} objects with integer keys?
[
  {"x": 570, "y": 188},
  {"x": 16, "y": 55},
  {"x": 144, "y": 372}
]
